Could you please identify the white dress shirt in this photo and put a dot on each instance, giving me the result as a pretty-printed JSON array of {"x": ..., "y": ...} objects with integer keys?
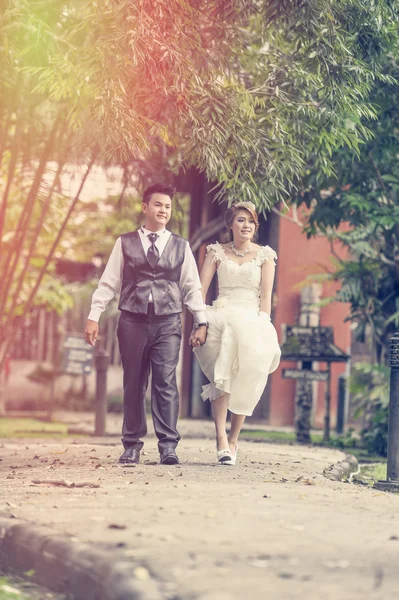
[{"x": 111, "y": 280}]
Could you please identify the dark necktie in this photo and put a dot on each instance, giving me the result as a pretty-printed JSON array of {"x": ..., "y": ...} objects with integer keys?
[{"x": 153, "y": 252}]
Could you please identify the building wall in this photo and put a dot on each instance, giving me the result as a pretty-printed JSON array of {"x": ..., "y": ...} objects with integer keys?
[{"x": 298, "y": 257}]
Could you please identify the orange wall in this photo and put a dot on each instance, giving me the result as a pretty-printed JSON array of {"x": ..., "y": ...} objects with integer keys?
[{"x": 296, "y": 257}]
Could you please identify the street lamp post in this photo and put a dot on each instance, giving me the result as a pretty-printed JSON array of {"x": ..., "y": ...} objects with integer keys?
[{"x": 392, "y": 482}]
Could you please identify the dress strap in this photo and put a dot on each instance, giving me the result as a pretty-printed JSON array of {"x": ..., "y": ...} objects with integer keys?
[
  {"x": 219, "y": 254},
  {"x": 265, "y": 254}
]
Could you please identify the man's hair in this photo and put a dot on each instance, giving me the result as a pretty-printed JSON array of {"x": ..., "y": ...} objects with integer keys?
[{"x": 158, "y": 188}]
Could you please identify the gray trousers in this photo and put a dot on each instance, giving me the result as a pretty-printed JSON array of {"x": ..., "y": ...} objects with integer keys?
[{"x": 150, "y": 342}]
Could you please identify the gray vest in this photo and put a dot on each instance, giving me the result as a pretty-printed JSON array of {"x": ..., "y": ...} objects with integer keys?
[{"x": 139, "y": 278}]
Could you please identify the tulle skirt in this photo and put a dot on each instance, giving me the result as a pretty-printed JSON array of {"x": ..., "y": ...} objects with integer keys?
[{"x": 240, "y": 352}]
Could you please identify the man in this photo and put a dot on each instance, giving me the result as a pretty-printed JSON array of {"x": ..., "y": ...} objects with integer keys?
[{"x": 155, "y": 272}]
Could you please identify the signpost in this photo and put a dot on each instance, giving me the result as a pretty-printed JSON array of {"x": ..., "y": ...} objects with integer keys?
[
  {"x": 78, "y": 360},
  {"x": 312, "y": 343},
  {"x": 307, "y": 375},
  {"x": 308, "y": 344},
  {"x": 77, "y": 355}
]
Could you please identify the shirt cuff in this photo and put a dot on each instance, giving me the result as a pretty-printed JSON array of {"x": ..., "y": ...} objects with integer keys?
[
  {"x": 95, "y": 314},
  {"x": 199, "y": 317}
]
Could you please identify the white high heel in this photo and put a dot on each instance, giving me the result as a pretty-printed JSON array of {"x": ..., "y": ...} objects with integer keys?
[
  {"x": 224, "y": 457},
  {"x": 234, "y": 457}
]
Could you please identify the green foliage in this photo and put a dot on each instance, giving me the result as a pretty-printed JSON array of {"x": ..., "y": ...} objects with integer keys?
[
  {"x": 369, "y": 387},
  {"x": 247, "y": 91},
  {"x": 375, "y": 436},
  {"x": 42, "y": 374},
  {"x": 19, "y": 427},
  {"x": 369, "y": 384},
  {"x": 250, "y": 92},
  {"x": 349, "y": 440},
  {"x": 8, "y": 591},
  {"x": 359, "y": 208},
  {"x": 115, "y": 403}
]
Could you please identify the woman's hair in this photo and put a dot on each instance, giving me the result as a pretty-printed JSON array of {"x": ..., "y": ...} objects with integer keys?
[{"x": 233, "y": 210}]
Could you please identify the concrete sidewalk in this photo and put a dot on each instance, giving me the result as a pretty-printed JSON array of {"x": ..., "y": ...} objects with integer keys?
[{"x": 273, "y": 526}]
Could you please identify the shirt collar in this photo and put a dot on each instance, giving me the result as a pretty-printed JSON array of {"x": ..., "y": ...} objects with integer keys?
[{"x": 147, "y": 231}]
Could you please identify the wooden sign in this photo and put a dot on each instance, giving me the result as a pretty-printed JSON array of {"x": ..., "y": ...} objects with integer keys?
[
  {"x": 304, "y": 374},
  {"x": 77, "y": 356},
  {"x": 311, "y": 344}
]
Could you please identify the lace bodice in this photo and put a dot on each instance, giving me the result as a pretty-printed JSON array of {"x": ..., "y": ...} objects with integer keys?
[{"x": 239, "y": 284}]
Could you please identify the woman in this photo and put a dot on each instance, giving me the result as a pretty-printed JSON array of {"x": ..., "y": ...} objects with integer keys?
[{"x": 241, "y": 348}]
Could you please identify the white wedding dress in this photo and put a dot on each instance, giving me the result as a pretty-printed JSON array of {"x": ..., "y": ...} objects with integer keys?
[{"x": 241, "y": 347}]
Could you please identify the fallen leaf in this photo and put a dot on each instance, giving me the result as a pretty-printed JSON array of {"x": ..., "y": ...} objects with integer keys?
[
  {"x": 339, "y": 564},
  {"x": 141, "y": 573},
  {"x": 378, "y": 576},
  {"x": 296, "y": 527},
  {"x": 30, "y": 573},
  {"x": 9, "y": 590},
  {"x": 64, "y": 483}
]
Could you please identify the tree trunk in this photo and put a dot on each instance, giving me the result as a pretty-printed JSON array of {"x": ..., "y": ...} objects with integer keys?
[
  {"x": 35, "y": 237},
  {"x": 15, "y": 252},
  {"x": 9, "y": 330}
]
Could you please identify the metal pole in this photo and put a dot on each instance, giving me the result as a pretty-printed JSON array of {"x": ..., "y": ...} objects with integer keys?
[
  {"x": 393, "y": 420},
  {"x": 101, "y": 362},
  {"x": 326, "y": 436},
  {"x": 341, "y": 403},
  {"x": 392, "y": 482}
]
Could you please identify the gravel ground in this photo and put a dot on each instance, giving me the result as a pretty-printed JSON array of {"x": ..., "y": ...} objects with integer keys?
[{"x": 271, "y": 526}]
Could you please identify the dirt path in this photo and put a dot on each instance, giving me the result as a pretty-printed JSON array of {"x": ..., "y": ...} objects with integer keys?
[{"x": 273, "y": 526}]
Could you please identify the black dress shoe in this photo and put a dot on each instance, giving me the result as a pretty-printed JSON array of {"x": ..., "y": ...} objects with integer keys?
[
  {"x": 169, "y": 457},
  {"x": 131, "y": 456}
]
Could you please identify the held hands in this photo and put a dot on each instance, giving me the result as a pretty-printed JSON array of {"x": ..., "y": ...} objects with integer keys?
[
  {"x": 91, "y": 332},
  {"x": 198, "y": 336}
]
